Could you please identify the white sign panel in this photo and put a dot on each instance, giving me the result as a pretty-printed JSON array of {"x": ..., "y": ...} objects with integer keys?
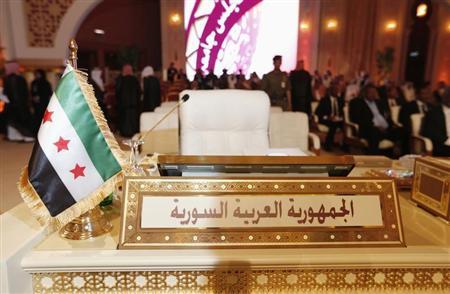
[{"x": 258, "y": 211}]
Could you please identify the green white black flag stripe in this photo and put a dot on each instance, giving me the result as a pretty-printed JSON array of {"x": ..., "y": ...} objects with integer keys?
[{"x": 75, "y": 161}]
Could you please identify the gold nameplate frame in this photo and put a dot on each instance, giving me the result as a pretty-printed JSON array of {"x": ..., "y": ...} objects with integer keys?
[
  {"x": 431, "y": 187},
  {"x": 178, "y": 212}
]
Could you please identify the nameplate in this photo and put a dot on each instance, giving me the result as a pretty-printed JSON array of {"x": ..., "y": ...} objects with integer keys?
[
  {"x": 431, "y": 187},
  {"x": 266, "y": 212}
]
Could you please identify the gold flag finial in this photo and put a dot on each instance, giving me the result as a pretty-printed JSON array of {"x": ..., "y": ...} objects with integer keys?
[{"x": 73, "y": 47}]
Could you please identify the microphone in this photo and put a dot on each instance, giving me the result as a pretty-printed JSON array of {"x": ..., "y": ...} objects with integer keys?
[{"x": 183, "y": 100}]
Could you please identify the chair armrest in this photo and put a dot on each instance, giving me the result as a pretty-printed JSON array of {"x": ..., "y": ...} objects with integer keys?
[
  {"x": 315, "y": 118},
  {"x": 314, "y": 143},
  {"x": 427, "y": 143},
  {"x": 351, "y": 130}
]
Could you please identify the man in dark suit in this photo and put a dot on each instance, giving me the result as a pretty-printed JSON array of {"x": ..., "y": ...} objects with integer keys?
[
  {"x": 330, "y": 112},
  {"x": 436, "y": 126},
  {"x": 301, "y": 88},
  {"x": 419, "y": 105},
  {"x": 374, "y": 120}
]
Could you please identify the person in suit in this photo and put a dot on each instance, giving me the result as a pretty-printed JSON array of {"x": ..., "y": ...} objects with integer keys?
[
  {"x": 374, "y": 120},
  {"x": 301, "y": 88},
  {"x": 330, "y": 112},
  {"x": 419, "y": 105},
  {"x": 41, "y": 91},
  {"x": 151, "y": 89},
  {"x": 436, "y": 125},
  {"x": 393, "y": 97},
  {"x": 18, "y": 115},
  {"x": 128, "y": 95}
]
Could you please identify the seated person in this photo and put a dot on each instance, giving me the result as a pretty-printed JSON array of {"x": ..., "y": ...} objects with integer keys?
[
  {"x": 419, "y": 105},
  {"x": 436, "y": 126},
  {"x": 374, "y": 120},
  {"x": 393, "y": 97},
  {"x": 330, "y": 112}
]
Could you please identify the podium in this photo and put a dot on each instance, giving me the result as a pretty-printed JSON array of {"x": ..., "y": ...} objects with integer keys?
[{"x": 60, "y": 265}]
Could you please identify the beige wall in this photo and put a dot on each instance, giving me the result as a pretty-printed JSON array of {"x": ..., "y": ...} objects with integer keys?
[
  {"x": 172, "y": 36},
  {"x": 361, "y": 31},
  {"x": 308, "y": 38},
  {"x": 439, "y": 65}
]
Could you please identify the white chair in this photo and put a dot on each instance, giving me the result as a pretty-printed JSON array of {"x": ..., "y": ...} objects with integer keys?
[
  {"x": 169, "y": 104},
  {"x": 276, "y": 109},
  {"x": 164, "y": 138},
  {"x": 351, "y": 134},
  {"x": 320, "y": 127},
  {"x": 419, "y": 144},
  {"x": 224, "y": 122},
  {"x": 291, "y": 130},
  {"x": 149, "y": 119},
  {"x": 395, "y": 111}
]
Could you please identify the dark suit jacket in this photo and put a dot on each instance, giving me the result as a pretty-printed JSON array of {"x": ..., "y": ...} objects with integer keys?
[
  {"x": 323, "y": 110},
  {"x": 361, "y": 114},
  {"x": 433, "y": 125},
  {"x": 301, "y": 90},
  {"x": 404, "y": 116}
]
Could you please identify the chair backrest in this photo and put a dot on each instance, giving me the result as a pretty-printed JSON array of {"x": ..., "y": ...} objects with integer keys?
[
  {"x": 224, "y": 122},
  {"x": 395, "y": 110},
  {"x": 169, "y": 104},
  {"x": 289, "y": 130},
  {"x": 149, "y": 119},
  {"x": 314, "y": 105},
  {"x": 276, "y": 109},
  {"x": 346, "y": 114},
  {"x": 416, "y": 123}
]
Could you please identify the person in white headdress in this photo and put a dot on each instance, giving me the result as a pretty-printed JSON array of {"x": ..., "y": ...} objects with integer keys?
[{"x": 151, "y": 89}]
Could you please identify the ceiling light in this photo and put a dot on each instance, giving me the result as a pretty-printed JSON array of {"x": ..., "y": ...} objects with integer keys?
[
  {"x": 422, "y": 10},
  {"x": 99, "y": 32},
  {"x": 391, "y": 25},
  {"x": 332, "y": 24}
]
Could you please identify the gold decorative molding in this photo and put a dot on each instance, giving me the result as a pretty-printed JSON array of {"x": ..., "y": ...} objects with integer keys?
[
  {"x": 407, "y": 280},
  {"x": 43, "y": 20}
]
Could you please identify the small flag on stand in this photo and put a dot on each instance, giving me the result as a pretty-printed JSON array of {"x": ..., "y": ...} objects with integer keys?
[{"x": 76, "y": 160}]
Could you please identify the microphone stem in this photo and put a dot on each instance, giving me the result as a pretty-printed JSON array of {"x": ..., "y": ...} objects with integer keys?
[{"x": 161, "y": 120}]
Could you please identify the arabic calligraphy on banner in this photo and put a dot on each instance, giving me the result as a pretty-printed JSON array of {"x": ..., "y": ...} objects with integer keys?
[{"x": 239, "y": 211}]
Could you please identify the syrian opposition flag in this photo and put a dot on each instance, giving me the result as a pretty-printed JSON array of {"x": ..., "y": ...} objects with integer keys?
[{"x": 76, "y": 160}]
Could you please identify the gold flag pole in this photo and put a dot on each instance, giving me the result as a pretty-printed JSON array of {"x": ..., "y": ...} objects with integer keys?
[{"x": 94, "y": 222}]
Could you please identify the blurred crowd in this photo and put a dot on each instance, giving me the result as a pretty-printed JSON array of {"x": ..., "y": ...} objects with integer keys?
[{"x": 380, "y": 109}]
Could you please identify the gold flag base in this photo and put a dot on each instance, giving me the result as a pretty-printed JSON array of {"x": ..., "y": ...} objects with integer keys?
[{"x": 88, "y": 225}]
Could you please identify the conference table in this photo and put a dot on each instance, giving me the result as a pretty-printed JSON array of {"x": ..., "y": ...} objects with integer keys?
[{"x": 60, "y": 265}]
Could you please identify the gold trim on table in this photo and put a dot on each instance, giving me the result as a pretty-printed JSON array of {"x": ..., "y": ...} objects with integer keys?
[
  {"x": 134, "y": 236},
  {"x": 246, "y": 280}
]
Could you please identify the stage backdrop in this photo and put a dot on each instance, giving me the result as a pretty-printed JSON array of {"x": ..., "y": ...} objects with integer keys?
[{"x": 240, "y": 34}]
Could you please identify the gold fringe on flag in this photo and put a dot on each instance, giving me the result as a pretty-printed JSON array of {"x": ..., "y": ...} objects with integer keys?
[
  {"x": 40, "y": 211},
  {"x": 32, "y": 199}
]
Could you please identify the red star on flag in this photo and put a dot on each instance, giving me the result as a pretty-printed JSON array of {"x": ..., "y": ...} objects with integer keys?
[
  {"x": 78, "y": 171},
  {"x": 62, "y": 144},
  {"x": 47, "y": 116}
]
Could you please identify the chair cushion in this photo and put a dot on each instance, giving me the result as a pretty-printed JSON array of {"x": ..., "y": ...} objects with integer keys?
[
  {"x": 224, "y": 122},
  {"x": 289, "y": 130},
  {"x": 383, "y": 144}
]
